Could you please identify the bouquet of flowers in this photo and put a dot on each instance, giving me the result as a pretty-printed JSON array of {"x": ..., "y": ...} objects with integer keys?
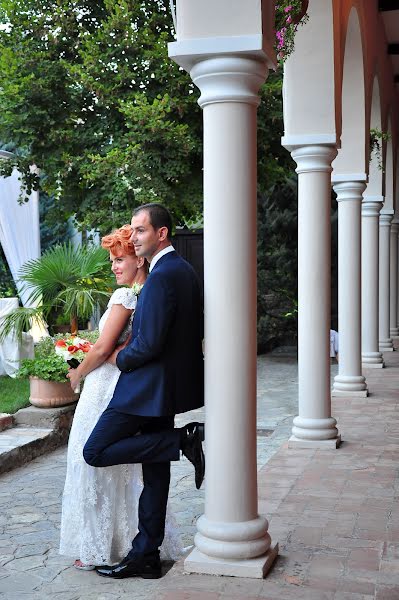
[{"x": 72, "y": 349}]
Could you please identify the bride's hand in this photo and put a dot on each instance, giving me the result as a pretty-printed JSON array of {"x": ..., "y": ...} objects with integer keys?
[{"x": 74, "y": 378}]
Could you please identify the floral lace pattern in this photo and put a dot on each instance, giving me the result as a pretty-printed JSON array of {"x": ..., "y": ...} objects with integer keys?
[{"x": 100, "y": 506}]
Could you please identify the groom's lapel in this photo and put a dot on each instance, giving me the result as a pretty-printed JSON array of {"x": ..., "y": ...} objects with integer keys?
[{"x": 163, "y": 259}]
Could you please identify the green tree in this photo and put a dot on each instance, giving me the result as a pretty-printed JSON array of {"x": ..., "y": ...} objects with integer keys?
[
  {"x": 88, "y": 94},
  {"x": 277, "y": 265}
]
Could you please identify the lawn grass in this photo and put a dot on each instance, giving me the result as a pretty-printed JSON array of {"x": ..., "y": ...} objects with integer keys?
[{"x": 14, "y": 394}]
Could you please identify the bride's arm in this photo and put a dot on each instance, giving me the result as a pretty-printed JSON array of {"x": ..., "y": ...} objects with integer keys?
[{"x": 104, "y": 346}]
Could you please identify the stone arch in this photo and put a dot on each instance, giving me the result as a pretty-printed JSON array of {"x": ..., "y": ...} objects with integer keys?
[
  {"x": 309, "y": 80},
  {"x": 353, "y": 157}
]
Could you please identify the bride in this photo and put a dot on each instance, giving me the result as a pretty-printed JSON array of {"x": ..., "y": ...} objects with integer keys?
[{"x": 99, "y": 506}]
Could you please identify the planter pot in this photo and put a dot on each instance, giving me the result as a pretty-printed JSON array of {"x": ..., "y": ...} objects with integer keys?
[{"x": 48, "y": 394}]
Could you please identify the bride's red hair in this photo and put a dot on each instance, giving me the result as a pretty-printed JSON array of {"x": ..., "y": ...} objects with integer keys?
[{"x": 119, "y": 241}]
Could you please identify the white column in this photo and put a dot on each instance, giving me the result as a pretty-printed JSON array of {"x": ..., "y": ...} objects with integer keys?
[
  {"x": 349, "y": 381},
  {"x": 397, "y": 316},
  {"x": 393, "y": 279},
  {"x": 314, "y": 426},
  {"x": 371, "y": 356},
  {"x": 384, "y": 341},
  {"x": 232, "y": 537}
]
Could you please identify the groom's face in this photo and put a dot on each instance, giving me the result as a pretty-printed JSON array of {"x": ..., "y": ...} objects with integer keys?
[{"x": 145, "y": 238}]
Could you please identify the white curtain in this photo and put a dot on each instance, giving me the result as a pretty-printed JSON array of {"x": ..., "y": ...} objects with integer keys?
[
  {"x": 12, "y": 351},
  {"x": 19, "y": 227},
  {"x": 19, "y": 233}
]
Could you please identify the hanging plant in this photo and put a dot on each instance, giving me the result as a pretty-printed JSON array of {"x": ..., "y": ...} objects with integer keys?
[
  {"x": 377, "y": 138},
  {"x": 288, "y": 17}
]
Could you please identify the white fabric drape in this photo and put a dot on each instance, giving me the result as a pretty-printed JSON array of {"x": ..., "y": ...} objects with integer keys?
[
  {"x": 13, "y": 351},
  {"x": 20, "y": 235},
  {"x": 19, "y": 227}
]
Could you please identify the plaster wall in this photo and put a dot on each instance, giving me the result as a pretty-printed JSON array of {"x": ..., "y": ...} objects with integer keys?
[
  {"x": 207, "y": 18},
  {"x": 309, "y": 86},
  {"x": 314, "y": 76}
]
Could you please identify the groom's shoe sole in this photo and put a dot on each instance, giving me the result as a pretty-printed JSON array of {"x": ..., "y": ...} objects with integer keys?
[{"x": 124, "y": 573}]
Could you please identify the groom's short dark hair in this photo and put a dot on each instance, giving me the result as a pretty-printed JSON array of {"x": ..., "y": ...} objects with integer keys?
[{"x": 159, "y": 216}]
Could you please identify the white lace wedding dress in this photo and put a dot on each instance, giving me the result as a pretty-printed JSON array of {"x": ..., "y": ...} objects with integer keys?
[{"x": 100, "y": 506}]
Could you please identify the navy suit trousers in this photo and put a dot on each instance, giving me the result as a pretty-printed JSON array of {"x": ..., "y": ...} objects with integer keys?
[{"x": 120, "y": 438}]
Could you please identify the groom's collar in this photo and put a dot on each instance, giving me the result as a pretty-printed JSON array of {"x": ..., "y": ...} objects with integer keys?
[{"x": 160, "y": 254}]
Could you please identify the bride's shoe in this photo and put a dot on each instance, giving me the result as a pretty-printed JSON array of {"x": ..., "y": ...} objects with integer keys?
[{"x": 82, "y": 567}]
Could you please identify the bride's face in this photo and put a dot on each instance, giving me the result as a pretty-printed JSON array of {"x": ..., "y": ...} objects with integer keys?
[{"x": 124, "y": 268}]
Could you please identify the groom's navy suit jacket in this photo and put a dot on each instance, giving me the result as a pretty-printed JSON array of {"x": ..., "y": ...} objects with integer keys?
[{"x": 162, "y": 366}]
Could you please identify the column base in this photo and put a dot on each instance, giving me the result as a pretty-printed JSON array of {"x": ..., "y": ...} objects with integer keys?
[
  {"x": 373, "y": 360},
  {"x": 255, "y": 568},
  {"x": 394, "y": 332},
  {"x": 332, "y": 444},
  {"x": 349, "y": 394},
  {"x": 349, "y": 385},
  {"x": 385, "y": 345}
]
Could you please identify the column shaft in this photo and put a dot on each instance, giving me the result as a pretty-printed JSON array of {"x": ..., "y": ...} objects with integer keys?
[
  {"x": 393, "y": 281},
  {"x": 349, "y": 381},
  {"x": 385, "y": 341},
  {"x": 371, "y": 356},
  {"x": 231, "y": 529},
  {"x": 314, "y": 425}
]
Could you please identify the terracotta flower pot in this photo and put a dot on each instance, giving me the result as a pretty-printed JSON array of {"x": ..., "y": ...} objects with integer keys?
[{"x": 48, "y": 394}]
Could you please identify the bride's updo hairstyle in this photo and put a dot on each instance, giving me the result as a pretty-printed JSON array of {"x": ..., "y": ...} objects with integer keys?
[{"x": 119, "y": 241}]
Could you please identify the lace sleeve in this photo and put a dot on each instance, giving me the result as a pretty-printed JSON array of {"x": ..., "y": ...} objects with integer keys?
[{"x": 124, "y": 296}]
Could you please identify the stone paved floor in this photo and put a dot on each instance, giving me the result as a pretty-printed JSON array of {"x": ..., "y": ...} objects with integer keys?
[{"x": 334, "y": 513}]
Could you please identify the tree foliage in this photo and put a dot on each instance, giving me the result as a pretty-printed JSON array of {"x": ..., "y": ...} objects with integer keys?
[
  {"x": 88, "y": 94},
  {"x": 277, "y": 265},
  {"x": 72, "y": 280}
]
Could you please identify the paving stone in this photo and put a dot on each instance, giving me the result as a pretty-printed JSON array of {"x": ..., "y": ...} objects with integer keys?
[{"x": 334, "y": 513}]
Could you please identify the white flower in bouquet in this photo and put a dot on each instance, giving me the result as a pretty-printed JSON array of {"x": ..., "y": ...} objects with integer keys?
[
  {"x": 72, "y": 347},
  {"x": 137, "y": 287}
]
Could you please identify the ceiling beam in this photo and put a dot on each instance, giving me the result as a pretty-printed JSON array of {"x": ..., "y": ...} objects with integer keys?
[{"x": 385, "y": 5}]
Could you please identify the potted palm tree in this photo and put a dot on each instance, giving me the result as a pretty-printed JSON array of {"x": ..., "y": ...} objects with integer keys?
[{"x": 73, "y": 280}]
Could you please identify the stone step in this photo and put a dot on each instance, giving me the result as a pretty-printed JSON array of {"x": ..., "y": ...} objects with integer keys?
[
  {"x": 6, "y": 421},
  {"x": 36, "y": 431},
  {"x": 59, "y": 417}
]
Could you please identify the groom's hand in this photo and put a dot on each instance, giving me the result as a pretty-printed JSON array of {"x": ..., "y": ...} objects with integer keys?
[{"x": 112, "y": 357}]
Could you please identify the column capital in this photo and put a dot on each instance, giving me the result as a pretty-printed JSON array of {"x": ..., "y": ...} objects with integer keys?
[
  {"x": 371, "y": 205},
  {"x": 229, "y": 79},
  {"x": 313, "y": 158},
  {"x": 349, "y": 190}
]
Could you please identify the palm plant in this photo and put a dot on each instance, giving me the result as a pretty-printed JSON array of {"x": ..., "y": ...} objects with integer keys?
[{"x": 72, "y": 279}]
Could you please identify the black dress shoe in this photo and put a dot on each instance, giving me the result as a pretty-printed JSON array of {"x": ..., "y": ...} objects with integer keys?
[
  {"x": 192, "y": 436},
  {"x": 147, "y": 568}
]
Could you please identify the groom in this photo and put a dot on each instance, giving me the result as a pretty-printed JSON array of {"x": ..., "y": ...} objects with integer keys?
[{"x": 161, "y": 375}]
